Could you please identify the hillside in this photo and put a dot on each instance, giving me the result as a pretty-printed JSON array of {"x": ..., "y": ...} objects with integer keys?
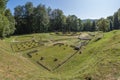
[
  {"x": 98, "y": 60},
  {"x": 15, "y": 66}
]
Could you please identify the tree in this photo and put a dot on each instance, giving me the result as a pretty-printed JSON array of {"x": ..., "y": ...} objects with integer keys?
[
  {"x": 93, "y": 27},
  {"x": 6, "y": 20},
  {"x": 4, "y": 26},
  {"x": 57, "y": 20},
  {"x": 31, "y": 19},
  {"x": 49, "y": 11},
  {"x": 115, "y": 21},
  {"x": 111, "y": 25},
  {"x": 103, "y": 25},
  {"x": 110, "y": 18},
  {"x": 41, "y": 19},
  {"x": 3, "y": 6},
  {"x": 11, "y": 19},
  {"x": 63, "y": 24},
  {"x": 73, "y": 23},
  {"x": 87, "y": 25},
  {"x": 29, "y": 16},
  {"x": 119, "y": 18},
  {"x": 79, "y": 25},
  {"x": 19, "y": 18},
  {"x": 24, "y": 18}
]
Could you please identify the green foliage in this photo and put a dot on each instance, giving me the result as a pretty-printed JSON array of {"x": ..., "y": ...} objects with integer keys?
[
  {"x": 87, "y": 25},
  {"x": 18, "y": 15},
  {"x": 31, "y": 19},
  {"x": 111, "y": 25},
  {"x": 3, "y": 6},
  {"x": 73, "y": 23},
  {"x": 4, "y": 26},
  {"x": 58, "y": 20},
  {"x": 115, "y": 21},
  {"x": 103, "y": 25},
  {"x": 29, "y": 8},
  {"x": 11, "y": 19},
  {"x": 7, "y": 23},
  {"x": 41, "y": 19},
  {"x": 93, "y": 27},
  {"x": 110, "y": 18},
  {"x": 24, "y": 18},
  {"x": 119, "y": 15}
]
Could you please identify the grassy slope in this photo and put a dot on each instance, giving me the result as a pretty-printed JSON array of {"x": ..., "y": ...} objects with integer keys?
[
  {"x": 16, "y": 67},
  {"x": 99, "y": 60},
  {"x": 102, "y": 58}
]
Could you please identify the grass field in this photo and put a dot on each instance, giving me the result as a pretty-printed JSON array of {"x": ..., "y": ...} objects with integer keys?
[
  {"x": 52, "y": 56},
  {"x": 98, "y": 60}
]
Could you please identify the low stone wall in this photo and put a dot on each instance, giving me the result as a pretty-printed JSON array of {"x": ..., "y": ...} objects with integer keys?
[
  {"x": 43, "y": 66},
  {"x": 29, "y": 53}
]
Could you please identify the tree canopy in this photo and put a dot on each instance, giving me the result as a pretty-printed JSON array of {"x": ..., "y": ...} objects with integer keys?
[
  {"x": 7, "y": 22},
  {"x": 103, "y": 25}
]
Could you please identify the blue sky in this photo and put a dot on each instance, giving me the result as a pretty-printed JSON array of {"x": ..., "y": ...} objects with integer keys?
[{"x": 83, "y": 9}]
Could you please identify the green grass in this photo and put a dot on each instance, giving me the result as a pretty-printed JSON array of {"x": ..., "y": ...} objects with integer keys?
[
  {"x": 21, "y": 46},
  {"x": 99, "y": 60},
  {"x": 52, "y": 52}
]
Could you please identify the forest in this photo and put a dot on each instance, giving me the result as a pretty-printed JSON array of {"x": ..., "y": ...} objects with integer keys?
[{"x": 28, "y": 19}]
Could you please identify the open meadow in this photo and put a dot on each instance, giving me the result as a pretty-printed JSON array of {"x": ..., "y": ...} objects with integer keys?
[{"x": 62, "y": 57}]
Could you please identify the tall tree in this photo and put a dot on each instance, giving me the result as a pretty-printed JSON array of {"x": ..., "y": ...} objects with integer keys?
[
  {"x": 73, "y": 23},
  {"x": 11, "y": 19},
  {"x": 93, "y": 27},
  {"x": 4, "y": 26},
  {"x": 103, "y": 25},
  {"x": 87, "y": 25},
  {"x": 57, "y": 20},
  {"x": 115, "y": 21},
  {"x": 110, "y": 18},
  {"x": 3, "y": 6},
  {"x": 20, "y": 21},
  {"x": 111, "y": 25},
  {"x": 79, "y": 25},
  {"x": 29, "y": 16},
  {"x": 6, "y": 20},
  {"x": 49, "y": 11},
  {"x": 119, "y": 18},
  {"x": 24, "y": 18},
  {"x": 41, "y": 19}
]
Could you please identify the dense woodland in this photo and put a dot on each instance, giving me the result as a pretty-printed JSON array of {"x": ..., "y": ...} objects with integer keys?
[{"x": 30, "y": 19}]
